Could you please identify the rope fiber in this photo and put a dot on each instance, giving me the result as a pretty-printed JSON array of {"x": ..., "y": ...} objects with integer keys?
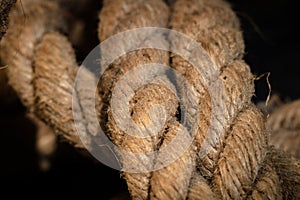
[{"x": 241, "y": 163}]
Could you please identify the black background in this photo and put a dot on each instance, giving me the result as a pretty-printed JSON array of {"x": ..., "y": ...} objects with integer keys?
[
  {"x": 270, "y": 31},
  {"x": 275, "y": 47}
]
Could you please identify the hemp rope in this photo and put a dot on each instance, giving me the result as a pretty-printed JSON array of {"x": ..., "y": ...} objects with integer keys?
[
  {"x": 241, "y": 165},
  {"x": 285, "y": 125}
]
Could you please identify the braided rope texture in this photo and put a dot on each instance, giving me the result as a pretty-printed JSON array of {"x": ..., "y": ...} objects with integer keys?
[{"x": 240, "y": 165}]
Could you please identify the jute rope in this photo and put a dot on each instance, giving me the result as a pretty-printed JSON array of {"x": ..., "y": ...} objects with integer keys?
[
  {"x": 32, "y": 82},
  {"x": 240, "y": 164},
  {"x": 285, "y": 125}
]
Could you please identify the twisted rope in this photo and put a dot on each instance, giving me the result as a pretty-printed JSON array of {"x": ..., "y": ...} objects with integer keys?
[
  {"x": 45, "y": 89},
  {"x": 235, "y": 151},
  {"x": 285, "y": 125},
  {"x": 240, "y": 165}
]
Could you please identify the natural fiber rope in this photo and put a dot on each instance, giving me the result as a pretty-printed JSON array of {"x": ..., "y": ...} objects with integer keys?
[
  {"x": 223, "y": 41},
  {"x": 241, "y": 165},
  {"x": 43, "y": 89},
  {"x": 285, "y": 126}
]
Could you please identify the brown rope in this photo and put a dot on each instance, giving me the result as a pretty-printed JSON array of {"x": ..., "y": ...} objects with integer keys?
[
  {"x": 241, "y": 165},
  {"x": 285, "y": 125},
  {"x": 233, "y": 166},
  {"x": 35, "y": 82},
  {"x": 20, "y": 41}
]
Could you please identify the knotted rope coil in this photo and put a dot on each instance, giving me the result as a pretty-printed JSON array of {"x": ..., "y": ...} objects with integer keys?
[{"x": 240, "y": 164}]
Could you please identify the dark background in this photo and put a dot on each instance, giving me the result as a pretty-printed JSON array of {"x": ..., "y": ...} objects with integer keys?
[
  {"x": 271, "y": 33},
  {"x": 272, "y": 45}
]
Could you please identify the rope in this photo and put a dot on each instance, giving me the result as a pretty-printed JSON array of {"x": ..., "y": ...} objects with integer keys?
[
  {"x": 285, "y": 125},
  {"x": 27, "y": 72},
  {"x": 240, "y": 163}
]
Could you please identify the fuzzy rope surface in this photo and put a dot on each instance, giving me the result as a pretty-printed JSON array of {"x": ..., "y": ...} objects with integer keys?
[
  {"x": 284, "y": 123},
  {"x": 219, "y": 171},
  {"x": 241, "y": 164}
]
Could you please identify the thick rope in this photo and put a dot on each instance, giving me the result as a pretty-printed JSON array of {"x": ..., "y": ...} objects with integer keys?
[
  {"x": 284, "y": 123},
  {"x": 45, "y": 89},
  {"x": 241, "y": 165},
  {"x": 232, "y": 167},
  {"x": 20, "y": 42},
  {"x": 198, "y": 19}
]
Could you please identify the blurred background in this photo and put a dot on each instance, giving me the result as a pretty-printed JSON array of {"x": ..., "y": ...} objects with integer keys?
[{"x": 272, "y": 45}]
